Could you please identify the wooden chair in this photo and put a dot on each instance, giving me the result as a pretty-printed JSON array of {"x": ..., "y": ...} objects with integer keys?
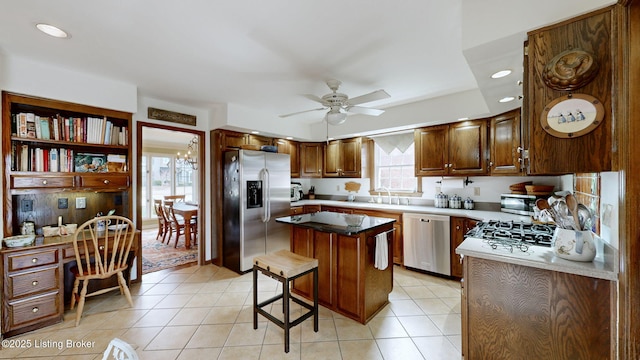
[
  {"x": 176, "y": 223},
  {"x": 174, "y": 198},
  {"x": 162, "y": 221},
  {"x": 101, "y": 255}
]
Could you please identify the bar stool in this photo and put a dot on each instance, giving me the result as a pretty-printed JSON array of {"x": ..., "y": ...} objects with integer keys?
[{"x": 284, "y": 266}]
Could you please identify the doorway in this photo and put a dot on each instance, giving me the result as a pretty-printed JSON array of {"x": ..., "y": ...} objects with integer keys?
[{"x": 161, "y": 172}]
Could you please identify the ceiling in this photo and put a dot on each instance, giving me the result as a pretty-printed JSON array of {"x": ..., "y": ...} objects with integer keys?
[{"x": 264, "y": 55}]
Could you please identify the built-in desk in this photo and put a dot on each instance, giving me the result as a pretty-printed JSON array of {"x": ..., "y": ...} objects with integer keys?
[
  {"x": 348, "y": 281},
  {"x": 33, "y": 282}
]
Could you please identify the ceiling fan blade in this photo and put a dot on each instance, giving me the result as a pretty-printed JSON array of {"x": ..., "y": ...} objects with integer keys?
[
  {"x": 316, "y": 99},
  {"x": 363, "y": 110},
  {"x": 372, "y": 96},
  {"x": 301, "y": 112}
]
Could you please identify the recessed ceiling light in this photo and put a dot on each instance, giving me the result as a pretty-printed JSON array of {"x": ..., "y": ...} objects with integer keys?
[
  {"x": 330, "y": 138},
  {"x": 289, "y": 138},
  {"x": 507, "y": 99},
  {"x": 255, "y": 132},
  {"x": 501, "y": 74},
  {"x": 463, "y": 119},
  {"x": 52, "y": 31}
]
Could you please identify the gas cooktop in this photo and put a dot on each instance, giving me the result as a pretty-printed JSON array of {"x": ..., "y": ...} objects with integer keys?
[{"x": 511, "y": 234}]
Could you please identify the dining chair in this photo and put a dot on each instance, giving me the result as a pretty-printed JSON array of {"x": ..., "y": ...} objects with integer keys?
[
  {"x": 175, "y": 198},
  {"x": 162, "y": 221},
  {"x": 176, "y": 223},
  {"x": 102, "y": 247},
  {"x": 119, "y": 350}
]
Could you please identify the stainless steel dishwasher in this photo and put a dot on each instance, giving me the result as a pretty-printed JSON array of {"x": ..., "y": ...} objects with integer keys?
[{"x": 427, "y": 244}]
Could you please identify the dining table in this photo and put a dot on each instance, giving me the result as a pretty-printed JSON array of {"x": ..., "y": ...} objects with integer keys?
[{"x": 188, "y": 211}]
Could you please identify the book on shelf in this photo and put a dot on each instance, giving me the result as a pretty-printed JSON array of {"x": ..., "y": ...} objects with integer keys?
[{"x": 90, "y": 130}]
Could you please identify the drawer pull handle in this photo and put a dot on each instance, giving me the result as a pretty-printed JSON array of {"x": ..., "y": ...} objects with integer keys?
[
  {"x": 34, "y": 260},
  {"x": 35, "y": 310},
  {"x": 101, "y": 247},
  {"x": 106, "y": 181},
  {"x": 34, "y": 283},
  {"x": 44, "y": 182}
]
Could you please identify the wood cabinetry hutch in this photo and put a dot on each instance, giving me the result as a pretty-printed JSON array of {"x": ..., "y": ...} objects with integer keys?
[{"x": 54, "y": 152}]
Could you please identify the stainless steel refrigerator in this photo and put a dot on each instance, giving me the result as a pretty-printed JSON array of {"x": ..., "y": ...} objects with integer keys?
[{"x": 257, "y": 190}]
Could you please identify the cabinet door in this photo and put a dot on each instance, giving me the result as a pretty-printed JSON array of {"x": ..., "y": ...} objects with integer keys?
[
  {"x": 430, "y": 150},
  {"x": 311, "y": 160},
  {"x": 291, "y": 148},
  {"x": 351, "y": 158},
  {"x": 505, "y": 144},
  {"x": 332, "y": 161},
  {"x": 457, "y": 236},
  {"x": 468, "y": 148},
  {"x": 323, "y": 250},
  {"x": 233, "y": 140},
  {"x": 349, "y": 282},
  {"x": 301, "y": 244},
  {"x": 259, "y": 140}
]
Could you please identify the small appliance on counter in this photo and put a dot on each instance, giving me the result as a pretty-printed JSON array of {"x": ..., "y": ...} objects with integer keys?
[{"x": 296, "y": 191}]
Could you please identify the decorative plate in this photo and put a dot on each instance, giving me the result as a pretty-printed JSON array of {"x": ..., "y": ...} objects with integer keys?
[{"x": 572, "y": 115}]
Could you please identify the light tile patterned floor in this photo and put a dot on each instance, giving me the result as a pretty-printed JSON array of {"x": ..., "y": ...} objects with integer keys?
[{"x": 204, "y": 312}]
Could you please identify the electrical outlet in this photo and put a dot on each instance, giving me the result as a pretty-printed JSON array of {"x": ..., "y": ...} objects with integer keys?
[
  {"x": 81, "y": 203},
  {"x": 63, "y": 203},
  {"x": 26, "y": 205},
  {"x": 476, "y": 191},
  {"x": 337, "y": 187},
  {"x": 438, "y": 189}
]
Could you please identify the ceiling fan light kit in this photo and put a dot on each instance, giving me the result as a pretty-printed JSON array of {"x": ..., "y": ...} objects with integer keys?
[{"x": 339, "y": 104}]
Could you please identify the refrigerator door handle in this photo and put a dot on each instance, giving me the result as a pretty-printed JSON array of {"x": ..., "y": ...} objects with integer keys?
[{"x": 266, "y": 195}]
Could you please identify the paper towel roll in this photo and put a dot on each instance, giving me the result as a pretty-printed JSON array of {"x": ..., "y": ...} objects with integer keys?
[{"x": 457, "y": 183}]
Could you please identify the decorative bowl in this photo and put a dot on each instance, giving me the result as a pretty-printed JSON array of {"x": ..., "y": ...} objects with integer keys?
[
  {"x": 354, "y": 219},
  {"x": 19, "y": 240}
]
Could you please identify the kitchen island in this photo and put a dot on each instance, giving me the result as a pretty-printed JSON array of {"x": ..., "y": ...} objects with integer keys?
[
  {"x": 350, "y": 280},
  {"x": 534, "y": 305}
]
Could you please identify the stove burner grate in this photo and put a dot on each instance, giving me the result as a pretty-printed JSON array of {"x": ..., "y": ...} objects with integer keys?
[{"x": 510, "y": 234}]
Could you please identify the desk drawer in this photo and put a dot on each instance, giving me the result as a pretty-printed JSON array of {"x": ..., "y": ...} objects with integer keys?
[
  {"x": 29, "y": 311},
  {"x": 34, "y": 282},
  {"x": 26, "y": 260},
  {"x": 30, "y": 182},
  {"x": 104, "y": 180}
]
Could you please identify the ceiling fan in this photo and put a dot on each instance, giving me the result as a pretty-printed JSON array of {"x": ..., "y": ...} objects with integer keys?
[{"x": 340, "y": 104}]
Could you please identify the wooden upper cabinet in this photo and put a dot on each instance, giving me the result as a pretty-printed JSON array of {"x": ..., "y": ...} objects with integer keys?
[
  {"x": 311, "y": 159},
  {"x": 258, "y": 140},
  {"x": 293, "y": 149},
  {"x": 596, "y": 33},
  {"x": 452, "y": 149},
  {"x": 505, "y": 145},
  {"x": 231, "y": 140},
  {"x": 343, "y": 158},
  {"x": 431, "y": 157}
]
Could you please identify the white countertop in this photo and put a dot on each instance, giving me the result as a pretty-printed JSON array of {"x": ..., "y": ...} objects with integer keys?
[
  {"x": 473, "y": 214},
  {"x": 603, "y": 266}
]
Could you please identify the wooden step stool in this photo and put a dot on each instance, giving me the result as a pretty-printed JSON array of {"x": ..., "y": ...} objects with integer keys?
[{"x": 285, "y": 266}]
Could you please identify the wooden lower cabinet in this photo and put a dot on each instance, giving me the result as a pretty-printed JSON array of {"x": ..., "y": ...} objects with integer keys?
[
  {"x": 518, "y": 312},
  {"x": 459, "y": 227},
  {"x": 398, "y": 245},
  {"x": 348, "y": 283}
]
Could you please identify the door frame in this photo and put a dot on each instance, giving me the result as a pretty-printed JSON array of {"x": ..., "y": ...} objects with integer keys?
[{"x": 140, "y": 125}]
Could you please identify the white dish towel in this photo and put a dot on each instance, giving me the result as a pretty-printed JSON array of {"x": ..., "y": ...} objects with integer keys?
[{"x": 382, "y": 252}]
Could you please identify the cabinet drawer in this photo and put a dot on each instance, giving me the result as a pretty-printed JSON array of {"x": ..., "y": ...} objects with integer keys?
[
  {"x": 30, "y": 182},
  {"x": 26, "y": 260},
  {"x": 104, "y": 180},
  {"x": 34, "y": 282},
  {"x": 297, "y": 210},
  {"x": 33, "y": 310}
]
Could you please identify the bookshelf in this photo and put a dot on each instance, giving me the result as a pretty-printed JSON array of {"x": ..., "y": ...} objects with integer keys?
[{"x": 54, "y": 152}]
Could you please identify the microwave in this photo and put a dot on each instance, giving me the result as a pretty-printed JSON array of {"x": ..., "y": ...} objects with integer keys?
[{"x": 518, "y": 204}]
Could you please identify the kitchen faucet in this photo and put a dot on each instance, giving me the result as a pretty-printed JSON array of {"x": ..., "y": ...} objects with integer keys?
[{"x": 388, "y": 192}]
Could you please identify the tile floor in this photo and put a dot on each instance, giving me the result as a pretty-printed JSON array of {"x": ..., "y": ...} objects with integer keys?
[{"x": 205, "y": 312}]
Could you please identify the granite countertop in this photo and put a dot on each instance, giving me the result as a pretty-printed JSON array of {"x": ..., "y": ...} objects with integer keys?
[
  {"x": 604, "y": 266},
  {"x": 332, "y": 222},
  {"x": 473, "y": 214}
]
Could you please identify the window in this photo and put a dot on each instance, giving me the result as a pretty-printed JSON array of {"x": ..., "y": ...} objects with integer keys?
[{"x": 394, "y": 168}]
